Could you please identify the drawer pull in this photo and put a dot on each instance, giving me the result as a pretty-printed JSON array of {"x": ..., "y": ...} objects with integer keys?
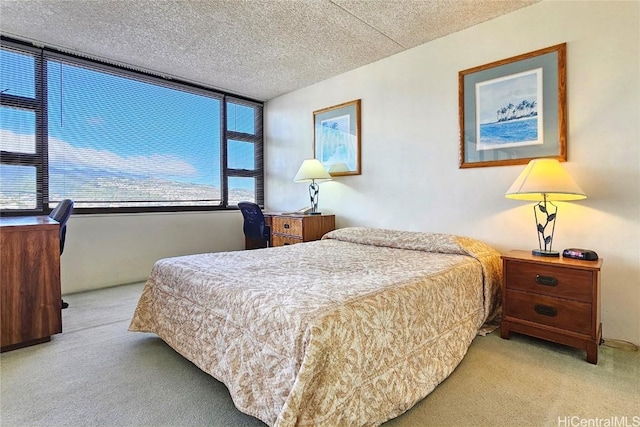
[
  {"x": 546, "y": 280},
  {"x": 545, "y": 310},
  {"x": 286, "y": 226}
]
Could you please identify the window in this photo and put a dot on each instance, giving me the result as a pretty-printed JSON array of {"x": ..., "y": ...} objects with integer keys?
[
  {"x": 21, "y": 152},
  {"x": 244, "y": 151},
  {"x": 114, "y": 140}
]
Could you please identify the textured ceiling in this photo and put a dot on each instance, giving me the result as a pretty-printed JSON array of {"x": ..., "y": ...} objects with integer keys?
[{"x": 256, "y": 48}]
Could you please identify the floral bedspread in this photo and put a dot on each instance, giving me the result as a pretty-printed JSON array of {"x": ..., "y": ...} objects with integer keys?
[{"x": 353, "y": 329}]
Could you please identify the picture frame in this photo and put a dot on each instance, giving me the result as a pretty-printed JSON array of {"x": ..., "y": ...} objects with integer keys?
[
  {"x": 514, "y": 110},
  {"x": 336, "y": 138}
]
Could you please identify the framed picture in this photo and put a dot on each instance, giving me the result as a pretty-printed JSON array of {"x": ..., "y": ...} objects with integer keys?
[
  {"x": 336, "y": 138},
  {"x": 514, "y": 110}
]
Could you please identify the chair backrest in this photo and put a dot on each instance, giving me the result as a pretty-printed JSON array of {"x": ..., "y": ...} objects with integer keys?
[
  {"x": 254, "y": 222},
  {"x": 61, "y": 213}
]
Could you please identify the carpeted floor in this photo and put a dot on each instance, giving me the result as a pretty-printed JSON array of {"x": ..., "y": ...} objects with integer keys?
[{"x": 96, "y": 373}]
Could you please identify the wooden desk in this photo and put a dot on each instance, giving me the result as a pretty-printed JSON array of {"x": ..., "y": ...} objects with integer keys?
[
  {"x": 30, "y": 301},
  {"x": 287, "y": 229}
]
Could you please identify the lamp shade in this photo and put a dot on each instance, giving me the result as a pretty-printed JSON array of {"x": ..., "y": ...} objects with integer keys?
[
  {"x": 312, "y": 170},
  {"x": 545, "y": 178}
]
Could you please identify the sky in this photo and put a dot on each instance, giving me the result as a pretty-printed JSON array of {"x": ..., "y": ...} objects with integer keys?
[{"x": 160, "y": 131}]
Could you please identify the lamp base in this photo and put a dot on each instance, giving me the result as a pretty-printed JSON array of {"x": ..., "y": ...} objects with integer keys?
[
  {"x": 315, "y": 213},
  {"x": 541, "y": 252}
]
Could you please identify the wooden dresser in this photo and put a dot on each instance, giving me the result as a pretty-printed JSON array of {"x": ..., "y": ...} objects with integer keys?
[
  {"x": 556, "y": 299},
  {"x": 290, "y": 229},
  {"x": 30, "y": 301}
]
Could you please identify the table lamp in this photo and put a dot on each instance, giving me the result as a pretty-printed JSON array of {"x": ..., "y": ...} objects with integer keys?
[
  {"x": 312, "y": 170},
  {"x": 544, "y": 181}
]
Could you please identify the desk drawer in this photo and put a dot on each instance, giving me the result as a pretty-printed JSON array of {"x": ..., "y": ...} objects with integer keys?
[
  {"x": 564, "y": 314},
  {"x": 557, "y": 281},
  {"x": 287, "y": 225},
  {"x": 279, "y": 240}
]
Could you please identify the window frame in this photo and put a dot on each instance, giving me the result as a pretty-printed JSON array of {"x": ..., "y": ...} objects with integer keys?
[
  {"x": 256, "y": 139},
  {"x": 40, "y": 158}
]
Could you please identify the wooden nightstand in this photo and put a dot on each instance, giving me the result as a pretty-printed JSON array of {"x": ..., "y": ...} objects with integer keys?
[
  {"x": 290, "y": 229},
  {"x": 556, "y": 299}
]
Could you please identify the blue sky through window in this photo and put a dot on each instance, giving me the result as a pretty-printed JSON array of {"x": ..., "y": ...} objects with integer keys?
[
  {"x": 158, "y": 132},
  {"x": 17, "y": 74}
]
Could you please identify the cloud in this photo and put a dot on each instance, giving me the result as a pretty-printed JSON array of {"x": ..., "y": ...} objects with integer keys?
[
  {"x": 64, "y": 155},
  {"x": 20, "y": 143},
  {"x": 96, "y": 120}
]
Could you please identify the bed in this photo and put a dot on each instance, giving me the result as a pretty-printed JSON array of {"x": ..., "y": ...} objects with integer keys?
[{"x": 353, "y": 329}]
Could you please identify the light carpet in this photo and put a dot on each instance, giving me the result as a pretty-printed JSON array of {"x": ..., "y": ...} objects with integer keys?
[{"x": 96, "y": 373}]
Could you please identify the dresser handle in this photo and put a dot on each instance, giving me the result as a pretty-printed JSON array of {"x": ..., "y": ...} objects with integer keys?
[
  {"x": 546, "y": 280},
  {"x": 286, "y": 226},
  {"x": 545, "y": 310}
]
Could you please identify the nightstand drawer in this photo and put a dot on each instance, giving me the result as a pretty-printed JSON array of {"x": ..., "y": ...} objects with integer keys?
[
  {"x": 550, "y": 280},
  {"x": 287, "y": 225},
  {"x": 564, "y": 314},
  {"x": 279, "y": 240}
]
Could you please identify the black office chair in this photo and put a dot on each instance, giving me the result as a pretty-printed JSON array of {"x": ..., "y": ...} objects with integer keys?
[
  {"x": 255, "y": 226},
  {"x": 61, "y": 213}
]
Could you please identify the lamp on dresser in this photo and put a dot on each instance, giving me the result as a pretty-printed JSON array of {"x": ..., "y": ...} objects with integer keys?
[
  {"x": 545, "y": 181},
  {"x": 311, "y": 171}
]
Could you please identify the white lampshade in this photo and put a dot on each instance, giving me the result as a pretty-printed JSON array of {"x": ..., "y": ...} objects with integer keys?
[
  {"x": 544, "y": 178},
  {"x": 312, "y": 170}
]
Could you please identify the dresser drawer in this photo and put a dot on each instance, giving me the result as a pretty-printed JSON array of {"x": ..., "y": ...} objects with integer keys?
[
  {"x": 287, "y": 225},
  {"x": 550, "y": 280},
  {"x": 564, "y": 314},
  {"x": 280, "y": 240}
]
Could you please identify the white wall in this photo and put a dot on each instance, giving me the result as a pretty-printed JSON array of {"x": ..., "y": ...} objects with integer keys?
[
  {"x": 109, "y": 250},
  {"x": 410, "y": 176}
]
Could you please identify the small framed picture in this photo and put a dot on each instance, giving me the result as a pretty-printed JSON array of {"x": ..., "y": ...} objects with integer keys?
[
  {"x": 336, "y": 140},
  {"x": 514, "y": 110}
]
